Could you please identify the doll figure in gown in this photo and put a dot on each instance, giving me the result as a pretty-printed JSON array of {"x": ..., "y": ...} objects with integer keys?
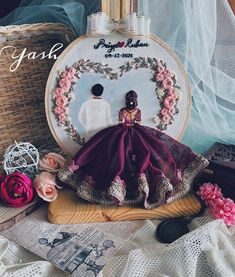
[{"x": 131, "y": 164}]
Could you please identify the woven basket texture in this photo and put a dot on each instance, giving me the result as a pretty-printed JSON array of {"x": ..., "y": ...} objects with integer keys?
[{"x": 22, "y": 112}]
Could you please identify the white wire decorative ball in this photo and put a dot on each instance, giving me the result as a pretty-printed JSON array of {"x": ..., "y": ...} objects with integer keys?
[{"x": 22, "y": 157}]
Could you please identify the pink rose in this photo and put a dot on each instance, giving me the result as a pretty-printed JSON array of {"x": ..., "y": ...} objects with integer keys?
[
  {"x": 58, "y": 92},
  {"x": 164, "y": 111},
  {"x": 166, "y": 119},
  {"x": 209, "y": 191},
  {"x": 160, "y": 67},
  {"x": 65, "y": 84},
  {"x": 169, "y": 102},
  {"x": 167, "y": 83},
  {"x": 45, "y": 186},
  {"x": 52, "y": 162},
  {"x": 166, "y": 73},
  {"x": 16, "y": 189},
  {"x": 159, "y": 77},
  {"x": 61, "y": 101}
]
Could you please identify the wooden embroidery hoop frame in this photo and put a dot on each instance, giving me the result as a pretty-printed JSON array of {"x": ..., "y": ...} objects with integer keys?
[{"x": 54, "y": 72}]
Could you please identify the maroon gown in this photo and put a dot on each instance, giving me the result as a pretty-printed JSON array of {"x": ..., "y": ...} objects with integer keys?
[{"x": 128, "y": 164}]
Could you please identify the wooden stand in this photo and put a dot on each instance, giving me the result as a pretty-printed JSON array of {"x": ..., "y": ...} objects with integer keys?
[{"x": 69, "y": 209}]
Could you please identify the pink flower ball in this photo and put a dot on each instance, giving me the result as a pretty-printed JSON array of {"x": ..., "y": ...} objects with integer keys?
[
  {"x": 65, "y": 84},
  {"x": 61, "y": 101},
  {"x": 224, "y": 208},
  {"x": 209, "y": 192},
  {"x": 169, "y": 102},
  {"x": 159, "y": 77},
  {"x": 167, "y": 83}
]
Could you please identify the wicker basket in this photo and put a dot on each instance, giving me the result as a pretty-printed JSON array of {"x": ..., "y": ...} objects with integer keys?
[{"x": 22, "y": 113}]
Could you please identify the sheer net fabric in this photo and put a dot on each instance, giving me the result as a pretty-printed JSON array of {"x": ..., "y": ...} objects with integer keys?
[{"x": 203, "y": 35}]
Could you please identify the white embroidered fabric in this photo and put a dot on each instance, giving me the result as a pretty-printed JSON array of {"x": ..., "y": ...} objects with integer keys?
[
  {"x": 207, "y": 251},
  {"x": 19, "y": 262}
]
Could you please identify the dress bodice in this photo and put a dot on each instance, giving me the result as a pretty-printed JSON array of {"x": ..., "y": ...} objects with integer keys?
[{"x": 129, "y": 117}]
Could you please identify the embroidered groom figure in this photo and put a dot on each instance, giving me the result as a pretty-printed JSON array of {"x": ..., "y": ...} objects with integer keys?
[{"x": 95, "y": 113}]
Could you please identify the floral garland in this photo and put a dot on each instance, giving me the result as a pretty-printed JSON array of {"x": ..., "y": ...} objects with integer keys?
[
  {"x": 166, "y": 89},
  {"x": 64, "y": 92}
]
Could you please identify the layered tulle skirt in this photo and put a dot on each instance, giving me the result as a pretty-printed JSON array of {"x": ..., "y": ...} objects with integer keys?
[{"x": 132, "y": 164}]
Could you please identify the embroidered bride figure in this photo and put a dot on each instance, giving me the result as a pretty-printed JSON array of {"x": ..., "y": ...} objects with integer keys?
[
  {"x": 95, "y": 113},
  {"x": 129, "y": 164}
]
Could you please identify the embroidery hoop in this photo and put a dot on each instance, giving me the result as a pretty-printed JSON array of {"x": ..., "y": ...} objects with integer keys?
[{"x": 67, "y": 59}]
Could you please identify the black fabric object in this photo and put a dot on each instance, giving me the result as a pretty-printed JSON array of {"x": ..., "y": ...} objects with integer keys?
[{"x": 221, "y": 175}]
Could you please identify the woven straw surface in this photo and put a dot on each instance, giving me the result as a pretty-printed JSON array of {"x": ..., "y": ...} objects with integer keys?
[
  {"x": 22, "y": 113},
  {"x": 69, "y": 209}
]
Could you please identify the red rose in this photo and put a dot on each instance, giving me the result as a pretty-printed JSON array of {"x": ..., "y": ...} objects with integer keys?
[{"x": 16, "y": 189}]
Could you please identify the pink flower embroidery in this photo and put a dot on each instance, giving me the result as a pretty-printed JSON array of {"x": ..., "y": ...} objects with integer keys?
[
  {"x": 159, "y": 77},
  {"x": 160, "y": 68},
  {"x": 164, "y": 111},
  {"x": 66, "y": 75},
  {"x": 58, "y": 110},
  {"x": 65, "y": 84},
  {"x": 58, "y": 92},
  {"x": 61, "y": 101},
  {"x": 172, "y": 110},
  {"x": 167, "y": 83},
  {"x": 169, "y": 102},
  {"x": 66, "y": 110},
  {"x": 166, "y": 119},
  {"x": 62, "y": 118},
  {"x": 72, "y": 70},
  {"x": 166, "y": 73}
]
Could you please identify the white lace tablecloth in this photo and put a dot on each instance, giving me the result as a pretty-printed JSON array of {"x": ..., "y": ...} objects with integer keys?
[
  {"x": 19, "y": 262},
  {"x": 208, "y": 250}
]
